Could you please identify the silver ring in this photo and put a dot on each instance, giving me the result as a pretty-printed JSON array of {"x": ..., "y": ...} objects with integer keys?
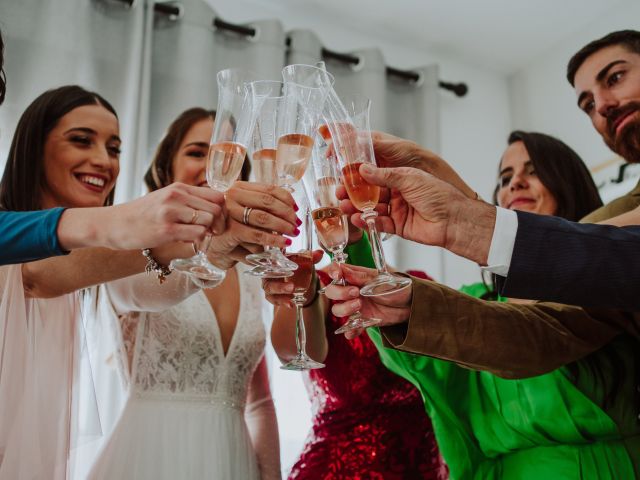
[{"x": 245, "y": 215}]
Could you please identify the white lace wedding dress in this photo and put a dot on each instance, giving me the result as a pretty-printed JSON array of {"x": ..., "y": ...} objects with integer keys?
[{"x": 183, "y": 415}]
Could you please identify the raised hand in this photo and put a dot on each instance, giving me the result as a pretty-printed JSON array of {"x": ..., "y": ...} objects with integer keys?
[
  {"x": 392, "y": 152},
  {"x": 272, "y": 210},
  {"x": 392, "y": 308},
  {"x": 178, "y": 212},
  {"x": 417, "y": 206},
  {"x": 278, "y": 291}
]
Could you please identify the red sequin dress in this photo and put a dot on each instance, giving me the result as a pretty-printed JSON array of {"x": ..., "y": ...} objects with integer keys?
[{"x": 369, "y": 424}]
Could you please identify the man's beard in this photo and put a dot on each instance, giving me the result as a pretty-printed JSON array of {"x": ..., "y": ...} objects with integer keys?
[{"x": 627, "y": 142}]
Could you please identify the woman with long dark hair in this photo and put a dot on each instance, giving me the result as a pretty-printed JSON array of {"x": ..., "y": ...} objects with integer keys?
[{"x": 65, "y": 153}]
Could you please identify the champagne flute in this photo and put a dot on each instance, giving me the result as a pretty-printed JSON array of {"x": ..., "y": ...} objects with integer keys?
[
  {"x": 305, "y": 90},
  {"x": 332, "y": 225},
  {"x": 351, "y": 140},
  {"x": 228, "y": 147},
  {"x": 271, "y": 263},
  {"x": 300, "y": 252}
]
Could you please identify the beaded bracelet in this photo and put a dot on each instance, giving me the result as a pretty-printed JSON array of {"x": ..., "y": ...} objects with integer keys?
[{"x": 161, "y": 271}]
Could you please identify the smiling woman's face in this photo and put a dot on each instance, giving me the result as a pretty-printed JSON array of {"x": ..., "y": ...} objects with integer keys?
[
  {"x": 190, "y": 160},
  {"x": 519, "y": 188},
  {"x": 81, "y": 158}
]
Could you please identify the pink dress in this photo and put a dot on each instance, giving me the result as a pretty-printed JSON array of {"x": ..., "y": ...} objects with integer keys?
[{"x": 368, "y": 422}]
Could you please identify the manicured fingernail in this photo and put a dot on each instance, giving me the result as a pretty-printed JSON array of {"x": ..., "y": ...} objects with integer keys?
[
  {"x": 295, "y": 206},
  {"x": 366, "y": 168},
  {"x": 298, "y": 222},
  {"x": 288, "y": 242},
  {"x": 296, "y": 232}
]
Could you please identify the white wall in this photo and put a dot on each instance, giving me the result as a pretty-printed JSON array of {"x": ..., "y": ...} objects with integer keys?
[{"x": 542, "y": 99}]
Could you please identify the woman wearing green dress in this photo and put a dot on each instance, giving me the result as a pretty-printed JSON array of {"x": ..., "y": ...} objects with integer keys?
[{"x": 577, "y": 422}]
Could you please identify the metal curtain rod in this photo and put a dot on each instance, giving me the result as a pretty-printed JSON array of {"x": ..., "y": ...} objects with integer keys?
[
  {"x": 163, "y": 8},
  {"x": 460, "y": 89}
]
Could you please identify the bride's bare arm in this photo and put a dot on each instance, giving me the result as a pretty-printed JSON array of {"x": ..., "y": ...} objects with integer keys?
[
  {"x": 260, "y": 415},
  {"x": 90, "y": 266}
]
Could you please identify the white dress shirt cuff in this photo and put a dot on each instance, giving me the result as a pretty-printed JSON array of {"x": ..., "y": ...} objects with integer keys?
[{"x": 502, "y": 242}]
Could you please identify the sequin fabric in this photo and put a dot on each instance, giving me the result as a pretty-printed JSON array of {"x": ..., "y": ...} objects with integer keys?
[{"x": 368, "y": 424}]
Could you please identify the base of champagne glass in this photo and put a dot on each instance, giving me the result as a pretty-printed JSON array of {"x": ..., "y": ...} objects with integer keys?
[
  {"x": 273, "y": 257},
  {"x": 268, "y": 272},
  {"x": 302, "y": 362},
  {"x": 384, "y": 284},
  {"x": 356, "y": 322},
  {"x": 199, "y": 267}
]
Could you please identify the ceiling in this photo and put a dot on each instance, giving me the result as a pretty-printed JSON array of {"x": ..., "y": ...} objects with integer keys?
[{"x": 504, "y": 34}]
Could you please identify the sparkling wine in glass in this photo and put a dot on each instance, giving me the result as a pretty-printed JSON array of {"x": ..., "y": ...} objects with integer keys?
[
  {"x": 300, "y": 252},
  {"x": 351, "y": 140},
  {"x": 264, "y": 143},
  {"x": 332, "y": 225},
  {"x": 228, "y": 147},
  {"x": 305, "y": 91}
]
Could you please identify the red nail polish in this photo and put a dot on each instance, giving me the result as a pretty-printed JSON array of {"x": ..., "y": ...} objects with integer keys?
[
  {"x": 288, "y": 242},
  {"x": 298, "y": 222},
  {"x": 296, "y": 232},
  {"x": 295, "y": 207}
]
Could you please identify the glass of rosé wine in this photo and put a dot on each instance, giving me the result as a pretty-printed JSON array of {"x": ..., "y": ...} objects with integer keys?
[
  {"x": 350, "y": 132},
  {"x": 270, "y": 95},
  {"x": 235, "y": 118},
  {"x": 305, "y": 90},
  {"x": 331, "y": 224},
  {"x": 300, "y": 252}
]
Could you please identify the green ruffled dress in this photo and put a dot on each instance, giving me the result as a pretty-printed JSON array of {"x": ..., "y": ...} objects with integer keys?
[{"x": 549, "y": 427}]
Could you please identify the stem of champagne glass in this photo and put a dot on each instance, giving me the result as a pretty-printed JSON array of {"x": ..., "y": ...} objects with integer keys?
[
  {"x": 369, "y": 216},
  {"x": 301, "y": 333},
  {"x": 203, "y": 245}
]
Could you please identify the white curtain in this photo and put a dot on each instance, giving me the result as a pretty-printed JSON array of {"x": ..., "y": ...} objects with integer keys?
[{"x": 187, "y": 53}]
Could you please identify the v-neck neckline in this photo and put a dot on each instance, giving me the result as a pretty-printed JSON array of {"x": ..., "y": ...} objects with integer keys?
[{"x": 216, "y": 324}]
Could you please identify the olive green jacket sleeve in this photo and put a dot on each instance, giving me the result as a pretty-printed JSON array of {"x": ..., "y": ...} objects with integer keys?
[{"x": 507, "y": 339}]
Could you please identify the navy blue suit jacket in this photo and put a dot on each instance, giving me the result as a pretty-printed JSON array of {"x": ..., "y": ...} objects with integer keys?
[
  {"x": 28, "y": 236},
  {"x": 574, "y": 263}
]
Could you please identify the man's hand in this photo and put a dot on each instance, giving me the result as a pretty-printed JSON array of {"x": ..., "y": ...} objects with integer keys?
[
  {"x": 419, "y": 207},
  {"x": 175, "y": 213},
  {"x": 392, "y": 308},
  {"x": 392, "y": 152}
]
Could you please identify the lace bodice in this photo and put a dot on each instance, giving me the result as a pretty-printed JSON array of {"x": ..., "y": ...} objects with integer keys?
[{"x": 177, "y": 353}]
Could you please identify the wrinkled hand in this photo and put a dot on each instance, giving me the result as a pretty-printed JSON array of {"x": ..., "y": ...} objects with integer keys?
[
  {"x": 165, "y": 216},
  {"x": 416, "y": 208},
  {"x": 392, "y": 308},
  {"x": 279, "y": 291},
  {"x": 419, "y": 207},
  {"x": 392, "y": 152}
]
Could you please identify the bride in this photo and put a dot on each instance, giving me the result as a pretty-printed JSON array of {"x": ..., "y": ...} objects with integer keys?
[{"x": 198, "y": 403}]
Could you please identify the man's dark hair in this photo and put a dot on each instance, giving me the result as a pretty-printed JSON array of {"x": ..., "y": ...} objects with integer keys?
[
  {"x": 3, "y": 77},
  {"x": 629, "y": 39}
]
